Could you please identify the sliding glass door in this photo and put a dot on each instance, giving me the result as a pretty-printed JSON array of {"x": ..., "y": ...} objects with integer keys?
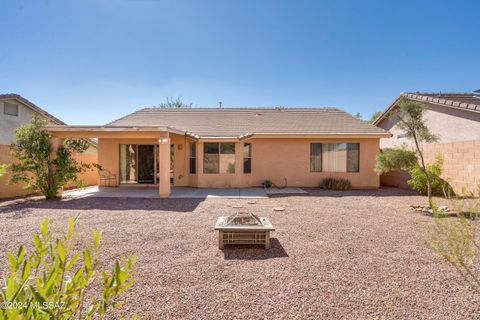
[{"x": 138, "y": 163}]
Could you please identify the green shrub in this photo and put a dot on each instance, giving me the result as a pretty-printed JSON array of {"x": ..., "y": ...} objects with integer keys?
[
  {"x": 336, "y": 184},
  {"x": 267, "y": 184},
  {"x": 391, "y": 159},
  {"x": 60, "y": 279},
  {"x": 418, "y": 181}
]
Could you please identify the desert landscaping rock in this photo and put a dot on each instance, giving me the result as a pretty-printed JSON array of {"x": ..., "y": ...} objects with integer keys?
[
  {"x": 279, "y": 209},
  {"x": 371, "y": 263}
]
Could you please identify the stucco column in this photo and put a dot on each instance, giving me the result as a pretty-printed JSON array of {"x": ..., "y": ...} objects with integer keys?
[{"x": 164, "y": 166}]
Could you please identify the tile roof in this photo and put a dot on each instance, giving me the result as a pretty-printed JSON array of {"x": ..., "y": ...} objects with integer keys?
[
  {"x": 31, "y": 105},
  {"x": 238, "y": 122},
  {"x": 463, "y": 101}
]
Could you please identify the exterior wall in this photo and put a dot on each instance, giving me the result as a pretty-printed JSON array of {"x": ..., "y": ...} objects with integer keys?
[
  {"x": 9, "y": 123},
  {"x": 8, "y": 191},
  {"x": 459, "y": 144},
  {"x": 273, "y": 159},
  {"x": 280, "y": 159},
  {"x": 447, "y": 123}
]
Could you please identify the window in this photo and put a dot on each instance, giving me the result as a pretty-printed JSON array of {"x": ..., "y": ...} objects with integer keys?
[
  {"x": 193, "y": 157},
  {"x": 10, "y": 109},
  {"x": 334, "y": 157},
  {"x": 219, "y": 157},
  {"x": 316, "y": 157},
  {"x": 247, "y": 158}
]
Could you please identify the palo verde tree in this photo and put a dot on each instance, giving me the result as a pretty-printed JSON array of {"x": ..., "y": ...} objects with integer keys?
[
  {"x": 37, "y": 167},
  {"x": 409, "y": 118},
  {"x": 171, "y": 103}
]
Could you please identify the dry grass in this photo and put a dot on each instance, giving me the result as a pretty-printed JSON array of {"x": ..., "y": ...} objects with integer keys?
[{"x": 349, "y": 255}]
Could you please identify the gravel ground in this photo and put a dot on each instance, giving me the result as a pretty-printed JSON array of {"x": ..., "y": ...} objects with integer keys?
[{"x": 335, "y": 255}]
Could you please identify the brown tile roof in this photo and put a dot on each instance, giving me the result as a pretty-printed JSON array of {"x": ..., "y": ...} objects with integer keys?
[
  {"x": 31, "y": 105},
  {"x": 238, "y": 122},
  {"x": 463, "y": 101}
]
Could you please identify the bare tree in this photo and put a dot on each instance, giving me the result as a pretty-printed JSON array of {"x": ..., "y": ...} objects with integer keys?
[{"x": 174, "y": 103}]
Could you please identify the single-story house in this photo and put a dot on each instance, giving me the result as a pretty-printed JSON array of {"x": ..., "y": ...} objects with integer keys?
[
  {"x": 455, "y": 119},
  {"x": 234, "y": 147},
  {"x": 16, "y": 111}
]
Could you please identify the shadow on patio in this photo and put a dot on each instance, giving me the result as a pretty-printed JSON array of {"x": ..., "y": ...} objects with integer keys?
[
  {"x": 250, "y": 252},
  {"x": 89, "y": 203}
]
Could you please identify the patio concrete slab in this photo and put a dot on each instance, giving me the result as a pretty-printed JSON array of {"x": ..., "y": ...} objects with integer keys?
[
  {"x": 177, "y": 192},
  {"x": 277, "y": 191}
]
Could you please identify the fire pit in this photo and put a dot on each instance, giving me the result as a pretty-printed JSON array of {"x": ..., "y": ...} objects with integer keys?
[{"x": 243, "y": 228}]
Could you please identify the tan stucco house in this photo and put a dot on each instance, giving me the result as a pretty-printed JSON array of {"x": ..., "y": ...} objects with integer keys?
[
  {"x": 234, "y": 147},
  {"x": 16, "y": 111},
  {"x": 455, "y": 119}
]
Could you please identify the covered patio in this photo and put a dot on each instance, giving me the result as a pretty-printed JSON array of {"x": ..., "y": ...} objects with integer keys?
[{"x": 176, "y": 192}]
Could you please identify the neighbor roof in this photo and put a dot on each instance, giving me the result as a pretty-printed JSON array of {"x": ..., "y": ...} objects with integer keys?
[
  {"x": 462, "y": 101},
  {"x": 241, "y": 122},
  {"x": 31, "y": 105}
]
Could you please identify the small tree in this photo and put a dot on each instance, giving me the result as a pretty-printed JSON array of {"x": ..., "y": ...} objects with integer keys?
[
  {"x": 60, "y": 280},
  {"x": 374, "y": 116},
  {"x": 172, "y": 104},
  {"x": 390, "y": 159},
  {"x": 37, "y": 167},
  {"x": 358, "y": 115},
  {"x": 410, "y": 119}
]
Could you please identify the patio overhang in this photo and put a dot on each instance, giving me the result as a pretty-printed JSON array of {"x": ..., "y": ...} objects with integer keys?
[{"x": 119, "y": 132}]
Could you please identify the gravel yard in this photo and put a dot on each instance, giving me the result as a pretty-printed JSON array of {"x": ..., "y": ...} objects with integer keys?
[{"x": 335, "y": 255}]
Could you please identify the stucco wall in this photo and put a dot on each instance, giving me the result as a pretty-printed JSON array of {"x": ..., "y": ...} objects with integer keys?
[
  {"x": 7, "y": 191},
  {"x": 459, "y": 144},
  {"x": 274, "y": 159},
  {"x": 448, "y": 124},
  {"x": 9, "y": 123}
]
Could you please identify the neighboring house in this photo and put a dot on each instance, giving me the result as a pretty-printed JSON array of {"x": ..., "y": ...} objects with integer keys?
[
  {"x": 16, "y": 111},
  {"x": 234, "y": 147},
  {"x": 455, "y": 119}
]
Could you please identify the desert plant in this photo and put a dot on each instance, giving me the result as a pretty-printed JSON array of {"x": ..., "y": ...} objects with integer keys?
[
  {"x": 171, "y": 103},
  {"x": 391, "y": 159},
  {"x": 3, "y": 169},
  {"x": 61, "y": 280},
  {"x": 336, "y": 184},
  {"x": 455, "y": 241},
  {"x": 409, "y": 117},
  {"x": 267, "y": 184},
  {"x": 418, "y": 179},
  {"x": 37, "y": 167}
]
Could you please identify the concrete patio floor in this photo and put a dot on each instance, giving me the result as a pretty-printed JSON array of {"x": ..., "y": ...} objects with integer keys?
[{"x": 177, "y": 192}]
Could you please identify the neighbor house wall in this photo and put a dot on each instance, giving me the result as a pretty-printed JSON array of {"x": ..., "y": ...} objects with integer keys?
[
  {"x": 8, "y": 125},
  {"x": 458, "y": 133}
]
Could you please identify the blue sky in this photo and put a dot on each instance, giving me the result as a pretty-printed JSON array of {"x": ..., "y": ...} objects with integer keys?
[{"x": 89, "y": 62}]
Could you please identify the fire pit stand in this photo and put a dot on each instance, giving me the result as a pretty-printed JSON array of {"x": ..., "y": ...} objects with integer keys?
[{"x": 243, "y": 228}]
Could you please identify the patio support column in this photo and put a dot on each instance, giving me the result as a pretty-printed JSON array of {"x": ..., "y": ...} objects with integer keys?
[{"x": 164, "y": 166}]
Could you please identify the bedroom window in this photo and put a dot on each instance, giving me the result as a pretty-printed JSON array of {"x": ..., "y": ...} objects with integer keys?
[
  {"x": 247, "y": 158},
  {"x": 219, "y": 157},
  {"x": 334, "y": 157},
  {"x": 10, "y": 109},
  {"x": 193, "y": 158}
]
